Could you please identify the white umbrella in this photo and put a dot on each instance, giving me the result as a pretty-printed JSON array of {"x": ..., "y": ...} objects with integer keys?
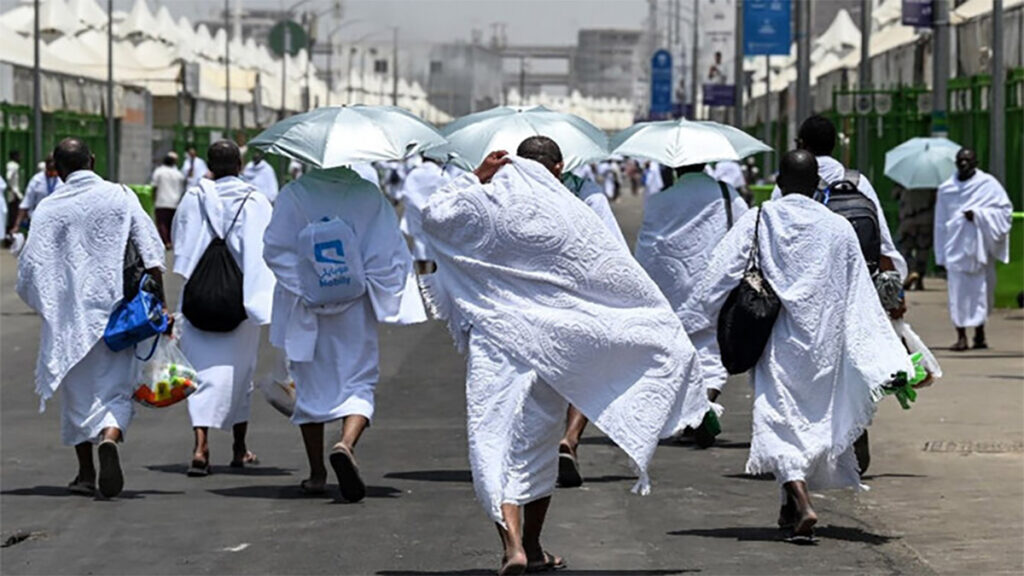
[
  {"x": 475, "y": 136},
  {"x": 683, "y": 142},
  {"x": 921, "y": 162},
  {"x": 341, "y": 135}
]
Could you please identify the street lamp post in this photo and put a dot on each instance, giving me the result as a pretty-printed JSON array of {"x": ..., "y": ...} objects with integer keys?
[
  {"x": 111, "y": 137},
  {"x": 37, "y": 92},
  {"x": 997, "y": 157},
  {"x": 227, "y": 71}
]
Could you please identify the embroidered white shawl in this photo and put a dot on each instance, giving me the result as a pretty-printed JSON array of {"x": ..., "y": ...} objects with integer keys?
[
  {"x": 965, "y": 246},
  {"x": 526, "y": 266},
  {"x": 71, "y": 268}
]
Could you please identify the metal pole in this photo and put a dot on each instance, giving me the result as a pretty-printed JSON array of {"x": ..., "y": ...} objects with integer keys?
[
  {"x": 767, "y": 113},
  {"x": 227, "y": 70},
  {"x": 522, "y": 80},
  {"x": 348, "y": 79},
  {"x": 111, "y": 135},
  {"x": 284, "y": 68},
  {"x": 940, "y": 75},
  {"x": 738, "y": 76},
  {"x": 37, "y": 94},
  {"x": 394, "y": 69},
  {"x": 864, "y": 82},
  {"x": 694, "y": 74},
  {"x": 997, "y": 114},
  {"x": 803, "y": 59}
]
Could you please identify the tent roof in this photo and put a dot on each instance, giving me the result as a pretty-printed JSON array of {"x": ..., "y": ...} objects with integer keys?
[
  {"x": 974, "y": 8},
  {"x": 88, "y": 13},
  {"x": 139, "y": 21}
]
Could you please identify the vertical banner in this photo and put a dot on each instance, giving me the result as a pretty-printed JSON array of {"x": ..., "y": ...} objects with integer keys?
[
  {"x": 716, "y": 54},
  {"x": 767, "y": 28},
  {"x": 917, "y": 13},
  {"x": 661, "y": 84}
]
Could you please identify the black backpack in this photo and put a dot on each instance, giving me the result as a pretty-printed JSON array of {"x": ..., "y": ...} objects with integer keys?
[
  {"x": 213, "y": 300},
  {"x": 845, "y": 199}
]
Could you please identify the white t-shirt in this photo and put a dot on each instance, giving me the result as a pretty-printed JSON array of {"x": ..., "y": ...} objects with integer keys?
[
  {"x": 12, "y": 174},
  {"x": 168, "y": 186},
  {"x": 39, "y": 187}
]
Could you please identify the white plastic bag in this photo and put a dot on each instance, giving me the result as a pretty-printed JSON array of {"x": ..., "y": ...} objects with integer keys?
[
  {"x": 278, "y": 387},
  {"x": 166, "y": 378}
]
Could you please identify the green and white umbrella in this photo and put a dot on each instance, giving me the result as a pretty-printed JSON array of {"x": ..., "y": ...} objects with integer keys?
[
  {"x": 922, "y": 162},
  {"x": 471, "y": 138},
  {"x": 341, "y": 135},
  {"x": 685, "y": 142}
]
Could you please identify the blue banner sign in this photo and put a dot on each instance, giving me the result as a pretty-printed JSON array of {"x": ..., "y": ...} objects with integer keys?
[
  {"x": 661, "y": 83},
  {"x": 766, "y": 27},
  {"x": 917, "y": 13}
]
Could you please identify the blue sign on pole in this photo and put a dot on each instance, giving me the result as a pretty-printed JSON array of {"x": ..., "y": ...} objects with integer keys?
[
  {"x": 917, "y": 13},
  {"x": 766, "y": 27},
  {"x": 661, "y": 83}
]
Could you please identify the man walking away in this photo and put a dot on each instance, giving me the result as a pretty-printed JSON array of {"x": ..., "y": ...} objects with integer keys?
[
  {"x": 71, "y": 272},
  {"x": 40, "y": 186},
  {"x": 831, "y": 349},
  {"x": 12, "y": 175},
  {"x": 973, "y": 216},
  {"x": 168, "y": 185},
  {"x": 261, "y": 176},
  {"x": 224, "y": 208},
  {"x": 194, "y": 168}
]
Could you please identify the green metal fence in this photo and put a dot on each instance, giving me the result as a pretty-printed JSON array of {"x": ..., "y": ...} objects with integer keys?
[{"x": 16, "y": 133}]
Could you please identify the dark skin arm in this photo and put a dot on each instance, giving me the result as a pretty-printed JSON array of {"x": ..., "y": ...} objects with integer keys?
[
  {"x": 157, "y": 275},
  {"x": 490, "y": 166}
]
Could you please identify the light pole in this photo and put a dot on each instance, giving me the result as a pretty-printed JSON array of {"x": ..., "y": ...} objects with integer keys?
[
  {"x": 284, "y": 56},
  {"x": 997, "y": 156},
  {"x": 940, "y": 73},
  {"x": 803, "y": 56},
  {"x": 330, "y": 55},
  {"x": 111, "y": 137},
  {"x": 37, "y": 92},
  {"x": 864, "y": 83},
  {"x": 227, "y": 71},
  {"x": 738, "y": 76}
]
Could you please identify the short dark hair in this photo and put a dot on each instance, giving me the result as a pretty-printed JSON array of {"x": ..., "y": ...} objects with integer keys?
[
  {"x": 540, "y": 149},
  {"x": 817, "y": 135},
  {"x": 169, "y": 160},
  {"x": 224, "y": 159},
  {"x": 71, "y": 155},
  {"x": 798, "y": 173}
]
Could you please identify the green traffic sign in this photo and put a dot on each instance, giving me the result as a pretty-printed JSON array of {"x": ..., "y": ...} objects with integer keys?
[{"x": 296, "y": 35}]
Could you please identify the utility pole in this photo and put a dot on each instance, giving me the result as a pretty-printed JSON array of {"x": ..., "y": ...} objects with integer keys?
[
  {"x": 767, "y": 113},
  {"x": 997, "y": 115},
  {"x": 738, "y": 76},
  {"x": 803, "y": 59},
  {"x": 864, "y": 83},
  {"x": 227, "y": 70},
  {"x": 111, "y": 136},
  {"x": 284, "y": 68},
  {"x": 37, "y": 93},
  {"x": 940, "y": 74},
  {"x": 522, "y": 80},
  {"x": 394, "y": 68},
  {"x": 694, "y": 74}
]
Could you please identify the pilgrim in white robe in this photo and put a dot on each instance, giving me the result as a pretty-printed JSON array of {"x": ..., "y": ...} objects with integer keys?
[
  {"x": 682, "y": 225},
  {"x": 553, "y": 310},
  {"x": 261, "y": 176},
  {"x": 367, "y": 172},
  {"x": 225, "y": 362},
  {"x": 831, "y": 170},
  {"x": 419, "y": 185},
  {"x": 653, "y": 182},
  {"x": 591, "y": 194},
  {"x": 71, "y": 272},
  {"x": 969, "y": 250},
  {"x": 832, "y": 347},
  {"x": 729, "y": 172},
  {"x": 333, "y": 353}
]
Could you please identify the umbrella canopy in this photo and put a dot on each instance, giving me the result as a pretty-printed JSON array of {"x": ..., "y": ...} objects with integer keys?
[
  {"x": 341, "y": 135},
  {"x": 922, "y": 162},
  {"x": 475, "y": 136},
  {"x": 683, "y": 142}
]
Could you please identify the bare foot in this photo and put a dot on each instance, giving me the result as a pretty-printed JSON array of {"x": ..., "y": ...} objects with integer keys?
[
  {"x": 314, "y": 486},
  {"x": 805, "y": 523},
  {"x": 960, "y": 346},
  {"x": 514, "y": 563}
]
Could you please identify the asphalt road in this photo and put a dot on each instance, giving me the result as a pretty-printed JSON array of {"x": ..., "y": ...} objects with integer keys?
[{"x": 420, "y": 517}]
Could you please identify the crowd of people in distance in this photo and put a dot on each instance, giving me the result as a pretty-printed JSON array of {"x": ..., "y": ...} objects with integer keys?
[{"x": 525, "y": 264}]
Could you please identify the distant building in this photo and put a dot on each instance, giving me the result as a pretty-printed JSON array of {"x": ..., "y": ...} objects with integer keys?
[
  {"x": 464, "y": 78},
  {"x": 254, "y": 23},
  {"x": 606, "y": 62}
]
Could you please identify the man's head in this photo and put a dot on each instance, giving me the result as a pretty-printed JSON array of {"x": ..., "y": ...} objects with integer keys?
[
  {"x": 817, "y": 135},
  {"x": 170, "y": 160},
  {"x": 966, "y": 164},
  {"x": 190, "y": 149},
  {"x": 70, "y": 156},
  {"x": 544, "y": 150},
  {"x": 689, "y": 169},
  {"x": 798, "y": 173},
  {"x": 718, "y": 57},
  {"x": 51, "y": 166},
  {"x": 224, "y": 159},
  {"x": 14, "y": 156}
]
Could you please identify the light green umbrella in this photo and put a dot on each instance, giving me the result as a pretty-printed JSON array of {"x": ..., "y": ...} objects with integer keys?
[
  {"x": 685, "y": 142},
  {"x": 341, "y": 135},
  {"x": 471, "y": 138},
  {"x": 921, "y": 162}
]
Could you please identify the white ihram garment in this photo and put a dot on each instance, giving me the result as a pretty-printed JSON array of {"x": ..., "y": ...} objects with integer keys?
[
  {"x": 730, "y": 172},
  {"x": 591, "y": 194},
  {"x": 420, "y": 184},
  {"x": 262, "y": 177},
  {"x": 225, "y": 362},
  {"x": 831, "y": 349},
  {"x": 969, "y": 250},
  {"x": 682, "y": 225},
  {"x": 70, "y": 272},
  {"x": 831, "y": 170},
  {"x": 543, "y": 295},
  {"x": 333, "y": 353}
]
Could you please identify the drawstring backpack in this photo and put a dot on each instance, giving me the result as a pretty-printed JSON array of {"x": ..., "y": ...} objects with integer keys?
[{"x": 331, "y": 263}]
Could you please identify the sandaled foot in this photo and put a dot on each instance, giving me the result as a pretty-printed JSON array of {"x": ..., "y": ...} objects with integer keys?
[
  {"x": 111, "y": 477},
  {"x": 345, "y": 468},
  {"x": 960, "y": 346},
  {"x": 311, "y": 487},
  {"x": 246, "y": 459},
  {"x": 787, "y": 516},
  {"x": 82, "y": 487},
  {"x": 547, "y": 563},
  {"x": 980, "y": 345},
  {"x": 199, "y": 468},
  {"x": 805, "y": 524},
  {"x": 568, "y": 468},
  {"x": 516, "y": 564}
]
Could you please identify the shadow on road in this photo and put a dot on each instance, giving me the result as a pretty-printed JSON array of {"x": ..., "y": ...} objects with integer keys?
[
  {"x": 887, "y": 475},
  {"x": 768, "y": 534},
  {"x": 293, "y": 492},
  {"x": 481, "y": 571},
  {"x": 62, "y": 491},
  {"x": 247, "y": 471},
  {"x": 433, "y": 475},
  {"x": 757, "y": 477}
]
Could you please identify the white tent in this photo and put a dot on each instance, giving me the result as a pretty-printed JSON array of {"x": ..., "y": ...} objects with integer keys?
[
  {"x": 139, "y": 22},
  {"x": 88, "y": 13}
]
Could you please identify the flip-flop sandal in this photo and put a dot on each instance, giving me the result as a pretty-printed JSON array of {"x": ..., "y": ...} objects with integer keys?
[
  {"x": 549, "y": 564},
  {"x": 111, "y": 477},
  {"x": 345, "y": 468},
  {"x": 958, "y": 347},
  {"x": 309, "y": 489},
  {"x": 568, "y": 470},
  {"x": 80, "y": 488},
  {"x": 512, "y": 569},
  {"x": 249, "y": 459},
  {"x": 802, "y": 539},
  {"x": 980, "y": 346},
  {"x": 199, "y": 469}
]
